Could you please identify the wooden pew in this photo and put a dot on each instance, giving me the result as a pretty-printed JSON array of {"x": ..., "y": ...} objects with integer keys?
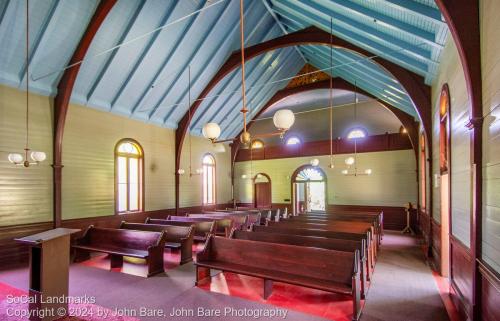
[
  {"x": 254, "y": 216},
  {"x": 223, "y": 225},
  {"x": 176, "y": 237},
  {"x": 119, "y": 243},
  {"x": 339, "y": 226},
  {"x": 372, "y": 219},
  {"x": 201, "y": 228},
  {"x": 314, "y": 241},
  {"x": 322, "y": 233},
  {"x": 379, "y": 215},
  {"x": 327, "y": 270},
  {"x": 238, "y": 221}
]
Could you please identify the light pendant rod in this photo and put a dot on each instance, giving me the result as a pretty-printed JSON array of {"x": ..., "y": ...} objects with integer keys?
[
  {"x": 331, "y": 93},
  {"x": 27, "y": 76},
  {"x": 244, "y": 110}
]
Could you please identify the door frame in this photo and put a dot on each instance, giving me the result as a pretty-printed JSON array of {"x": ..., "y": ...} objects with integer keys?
[
  {"x": 294, "y": 181},
  {"x": 255, "y": 191}
]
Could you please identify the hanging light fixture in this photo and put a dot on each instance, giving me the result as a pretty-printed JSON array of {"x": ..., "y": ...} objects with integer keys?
[
  {"x": 35, "y": 156},
  {"x": 352, "y": 161},
  {"x": 283, "y": 119}
]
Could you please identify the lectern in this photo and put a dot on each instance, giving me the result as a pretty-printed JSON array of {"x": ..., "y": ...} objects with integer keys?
[{"x": 49, "y": 272}]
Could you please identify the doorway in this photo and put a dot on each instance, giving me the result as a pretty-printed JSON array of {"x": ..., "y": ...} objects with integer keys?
[
  {"x": 262, "y": 191},
  {"x": 308, "y": 190}
]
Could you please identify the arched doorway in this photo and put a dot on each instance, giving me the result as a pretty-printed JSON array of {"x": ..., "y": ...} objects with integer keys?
[
  {"x": 262, "y": 192},
  {"x": 308, "y": 189},
  {"x": 445, "y": 178}
]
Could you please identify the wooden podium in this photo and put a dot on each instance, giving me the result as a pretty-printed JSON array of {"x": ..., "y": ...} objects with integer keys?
[{"x": 49, "y": 271}]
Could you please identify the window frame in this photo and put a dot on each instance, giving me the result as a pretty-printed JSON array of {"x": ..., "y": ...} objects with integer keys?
[
  {"x": 299, "y": 141},
  {"x": 213, "y": 167},
  {"x": 141, "y": 179},
  {"x": 357, "y": 129}
]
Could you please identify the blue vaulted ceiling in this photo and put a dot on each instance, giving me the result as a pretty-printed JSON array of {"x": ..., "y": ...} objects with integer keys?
[{"x": 147, "y": 77}]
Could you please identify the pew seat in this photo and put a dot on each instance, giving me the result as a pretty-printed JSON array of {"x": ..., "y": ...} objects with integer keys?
[
  {"x": 201, "y": 228},
  {"x": 119, "y": 243},
  {"x": 176, "y": 237}
]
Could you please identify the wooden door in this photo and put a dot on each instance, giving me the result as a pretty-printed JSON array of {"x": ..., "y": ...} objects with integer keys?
[{"x": 263, "y": 195}]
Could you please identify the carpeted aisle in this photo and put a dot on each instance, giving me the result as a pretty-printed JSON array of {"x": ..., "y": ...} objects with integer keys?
[{"x": 403, "y": 288}]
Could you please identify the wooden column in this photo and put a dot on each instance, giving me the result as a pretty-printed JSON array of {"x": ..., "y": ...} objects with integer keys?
[
  {"x": 462, "y": 17},
  {"x": 61, "y": 101}
]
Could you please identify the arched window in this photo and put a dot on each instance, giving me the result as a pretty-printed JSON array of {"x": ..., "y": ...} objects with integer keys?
[
  {"x": 208, "y": 179},
  {"x": 444, "y": 109},
  {"x": 257, "y": 143},
  {"x": 310, "y": 174},
  {"x": 356, "y": 133},
  {"x": 293, "y": 140},
  {"x": 129, "y": 177}
]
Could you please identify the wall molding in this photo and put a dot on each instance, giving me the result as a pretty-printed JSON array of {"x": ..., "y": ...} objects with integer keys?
[{"x": 374, "y": 143}]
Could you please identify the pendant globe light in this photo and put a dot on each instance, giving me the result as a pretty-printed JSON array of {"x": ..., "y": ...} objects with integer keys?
[
  {"x": 283, "y": 119},
  {"x": 35, "y": 156}
]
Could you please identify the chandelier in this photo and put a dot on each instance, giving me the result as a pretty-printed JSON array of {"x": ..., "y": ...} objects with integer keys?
[
  {"x": 351, "y": 162},
  {"x": 30, "y": 157},
  {"x": 283, "y": 119}
]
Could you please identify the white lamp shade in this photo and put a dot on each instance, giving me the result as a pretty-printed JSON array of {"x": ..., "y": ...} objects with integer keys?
[
  {"x": 345, "y": 172},
  {"x": 368, "y": 171},
  {"x": 181, "y": 171},
  {"x": 199, "y": 170},
  {"x": 15, "y": 158},
  {"x": 314, "y": 162},
  {"x": 283, "y": 119},
  {"x": 211, "y": 131},
  {"x": 219, "y": 148},
  {"x": 38, "y": 156},
  {"x": 349, "y": 161}
]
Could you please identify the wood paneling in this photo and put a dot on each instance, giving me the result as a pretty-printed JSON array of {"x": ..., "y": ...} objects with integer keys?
[
  {"x": 461, "y": 275},
  {"x": 490, "y": 294},
  {"x": 25, "y": 193},
  {"x": 375, "y": 143},
  {"x": 435, "y": 259}
]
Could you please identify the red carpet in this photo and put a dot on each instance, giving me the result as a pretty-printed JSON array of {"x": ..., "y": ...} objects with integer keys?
[
  {"x": 320, "y": 303},
  {"x": 18, "y": 311}
]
